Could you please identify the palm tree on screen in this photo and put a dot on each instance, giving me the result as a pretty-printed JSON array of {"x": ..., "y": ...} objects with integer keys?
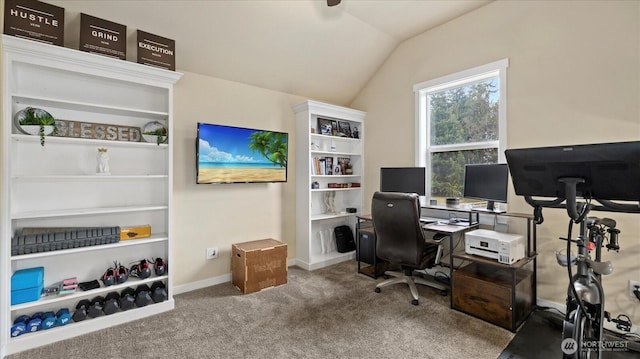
[{"x": 271, "y": 145}]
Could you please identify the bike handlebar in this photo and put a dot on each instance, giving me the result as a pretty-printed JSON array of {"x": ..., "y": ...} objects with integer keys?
[
  {"x": 605, "y": 205},
  {"x": 577, "y": 212}
]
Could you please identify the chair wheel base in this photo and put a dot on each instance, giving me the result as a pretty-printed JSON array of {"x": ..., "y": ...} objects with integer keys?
[
  {"x": 377, "y": 290},
  {"x": 415, "y": 302}
]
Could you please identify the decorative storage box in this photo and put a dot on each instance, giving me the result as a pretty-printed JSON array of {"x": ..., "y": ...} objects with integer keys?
[
  {"x": 258, "y": 265},
  {"x": 135, "y": 232},
  {"x": 26, "y": 285}
]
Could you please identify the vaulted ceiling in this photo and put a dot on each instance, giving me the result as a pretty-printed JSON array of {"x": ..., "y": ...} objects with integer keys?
[{"x": 301, "y": 47}]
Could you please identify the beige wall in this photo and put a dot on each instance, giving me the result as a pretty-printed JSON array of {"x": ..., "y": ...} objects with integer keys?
[
  {"x": 574, "y": 77},
  {"x": 220, "y": 215},
  {"x": 571, "y": 64}
]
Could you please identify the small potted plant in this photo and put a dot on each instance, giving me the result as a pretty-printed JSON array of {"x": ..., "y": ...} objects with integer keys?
[
  {"x": 34, "y": 121},
  {"x": 154, "y": 132},
  {"x": 453, "y": 193}
]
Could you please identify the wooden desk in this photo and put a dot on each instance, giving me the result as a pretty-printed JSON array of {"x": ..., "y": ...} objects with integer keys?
[
  {"x": 365, "y": 224},
  {"x": 501, "y": 294}
]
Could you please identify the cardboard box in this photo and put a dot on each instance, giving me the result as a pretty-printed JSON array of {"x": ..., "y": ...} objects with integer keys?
[
  {"x": 27, "y": 285},
  {"x": 258, "y": 265},
  {"x": 135, "y": 232}
]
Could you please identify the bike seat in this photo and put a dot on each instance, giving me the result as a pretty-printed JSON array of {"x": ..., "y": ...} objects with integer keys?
[{"x": 603, "y": 268}]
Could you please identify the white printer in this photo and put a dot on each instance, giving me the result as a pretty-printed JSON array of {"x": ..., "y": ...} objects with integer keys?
[{"x": 506, "y": 248}]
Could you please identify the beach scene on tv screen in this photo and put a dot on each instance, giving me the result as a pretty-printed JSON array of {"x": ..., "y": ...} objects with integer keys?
[{"x": 232, "y": 154}]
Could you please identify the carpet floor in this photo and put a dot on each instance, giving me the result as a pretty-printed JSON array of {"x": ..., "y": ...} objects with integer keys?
[{"x": 328, "y": 313}]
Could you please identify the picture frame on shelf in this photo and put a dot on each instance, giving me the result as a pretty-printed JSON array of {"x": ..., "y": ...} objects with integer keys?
[
  {"x": 344, "y": 163},
  {"x": 325, "y": 127},
  {"x": 344, "y": 129}
]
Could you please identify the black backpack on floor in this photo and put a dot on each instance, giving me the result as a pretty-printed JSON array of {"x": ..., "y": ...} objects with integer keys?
[{"x": 344, "y": 239}]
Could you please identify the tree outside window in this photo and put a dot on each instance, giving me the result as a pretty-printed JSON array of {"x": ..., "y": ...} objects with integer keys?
[{"x": 461, "y": 121}]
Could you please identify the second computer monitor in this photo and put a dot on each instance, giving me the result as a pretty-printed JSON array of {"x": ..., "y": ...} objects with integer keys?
[
  {"x": 486, "y": 182},
  {"x": 403, "y": 179}
]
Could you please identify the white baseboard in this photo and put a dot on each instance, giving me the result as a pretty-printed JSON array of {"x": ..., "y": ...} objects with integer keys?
[
  {"x": 225, "y": 278},
  {"x": 184, "y": 288}
]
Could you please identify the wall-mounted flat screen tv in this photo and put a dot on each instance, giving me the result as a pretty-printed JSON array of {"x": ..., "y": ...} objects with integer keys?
[{"x": 228, "y": 154}]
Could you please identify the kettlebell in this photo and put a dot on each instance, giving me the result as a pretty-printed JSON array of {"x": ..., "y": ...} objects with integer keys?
[
  {"x": 96, "y": 307},
  {"x": 142, "y": 295},
  {"x": 158, "y": 292},
  {"x": 81, "y": 310},
  {"x": 111, "y": 303},
  {"x": 127, "y": 298}
]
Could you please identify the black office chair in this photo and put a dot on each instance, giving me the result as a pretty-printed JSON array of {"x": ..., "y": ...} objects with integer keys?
[{"x": 401, "y": 241}]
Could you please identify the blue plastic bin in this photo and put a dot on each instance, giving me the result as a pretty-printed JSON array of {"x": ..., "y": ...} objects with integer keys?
[{"x": 27, "y": 285}]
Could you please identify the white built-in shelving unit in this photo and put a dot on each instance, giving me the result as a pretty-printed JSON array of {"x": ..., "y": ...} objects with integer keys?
[
  {"x": 313, "y": 221},
  {"x": 56, "y": 185}
]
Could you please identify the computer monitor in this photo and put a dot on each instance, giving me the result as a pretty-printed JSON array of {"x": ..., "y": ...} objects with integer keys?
[
  {"x": 403, "y": 179},
  {"x": 487, "y": 182},
  {"x": 607, "y": 171}
]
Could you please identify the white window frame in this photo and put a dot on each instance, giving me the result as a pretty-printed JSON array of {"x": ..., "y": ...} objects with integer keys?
[{"x": 424, "y": 149}]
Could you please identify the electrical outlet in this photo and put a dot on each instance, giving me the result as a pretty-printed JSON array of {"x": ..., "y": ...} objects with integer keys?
[
  {"x": 212, "y": 253},
  {"x": 633, "y": 284}
]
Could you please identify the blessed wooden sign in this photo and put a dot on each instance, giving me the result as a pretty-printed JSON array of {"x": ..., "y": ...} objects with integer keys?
[{"x": 98, "y": 131}]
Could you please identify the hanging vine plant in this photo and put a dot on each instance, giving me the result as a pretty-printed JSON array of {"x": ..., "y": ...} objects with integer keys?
[{"x": 35, "y": 121}]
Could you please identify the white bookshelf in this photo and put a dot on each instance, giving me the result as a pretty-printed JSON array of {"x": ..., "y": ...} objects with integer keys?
[
  {"x": 312, "y": 214},
  {"x": 55, "y": 185}
]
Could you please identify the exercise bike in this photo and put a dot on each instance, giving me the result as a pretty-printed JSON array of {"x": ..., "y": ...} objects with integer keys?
[
  {"x": 585, "y": 314},
  {"x": 599, "y": 174}
]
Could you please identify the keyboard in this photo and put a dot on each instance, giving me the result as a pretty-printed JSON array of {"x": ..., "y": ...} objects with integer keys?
[{"x": 427, "y": 220}]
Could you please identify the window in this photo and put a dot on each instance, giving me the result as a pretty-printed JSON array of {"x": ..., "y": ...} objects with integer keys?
[{"x": 460, "y": 119}]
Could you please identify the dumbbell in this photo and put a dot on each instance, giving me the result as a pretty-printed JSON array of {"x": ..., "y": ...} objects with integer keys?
[
  {"x": 142, "y": 295},
  {"x": 48, "y": 320},
  {"x": 96, "y": 307},
  {"x": 158, "y": 292},
  {"x": 63, "y": 317},
  {"x": 127, "y": 298},
  {"x": 19, "y": 326},
  {"x": 81, "y": 310},
  {"x": 35, "y": 322},
  {"x": 111, "y": 303}
]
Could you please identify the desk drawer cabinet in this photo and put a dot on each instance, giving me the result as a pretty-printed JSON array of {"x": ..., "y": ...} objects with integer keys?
[{"x": 502, "y": 296}]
